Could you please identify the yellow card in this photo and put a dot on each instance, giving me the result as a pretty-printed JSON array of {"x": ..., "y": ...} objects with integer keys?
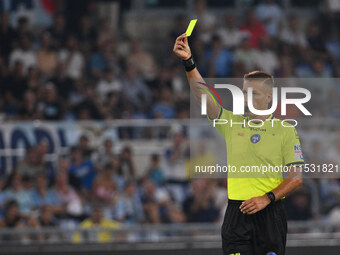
[{"x": 191, "y": 27}]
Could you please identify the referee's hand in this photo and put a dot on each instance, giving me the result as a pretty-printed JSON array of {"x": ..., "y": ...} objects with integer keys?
[
  {"x": 181, "y": 47},
  {"x": 254, "y": 204}
]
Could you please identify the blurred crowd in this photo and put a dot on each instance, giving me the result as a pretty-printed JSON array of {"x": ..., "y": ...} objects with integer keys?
[
  {"x": 99, "y": 187},
  {"x": 85, "y": 71}
]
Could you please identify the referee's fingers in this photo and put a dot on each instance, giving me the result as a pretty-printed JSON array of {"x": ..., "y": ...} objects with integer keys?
[
  {"x": 186, "y": 40},
  {"x": 181, "y": 44},
  {"x": 245, "y": 203},
  {"x": 247, "y": 206},
  {"x": 180, "y": 38},
  {"x": 179, "y": 47},
  {"x": 253, "y": 211}
]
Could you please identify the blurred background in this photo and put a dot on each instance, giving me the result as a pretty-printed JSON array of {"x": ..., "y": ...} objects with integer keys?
[{"x": 95, "y": 108}]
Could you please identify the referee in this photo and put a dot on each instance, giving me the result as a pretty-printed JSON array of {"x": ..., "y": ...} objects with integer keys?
[{"x": 255, "y": 220}]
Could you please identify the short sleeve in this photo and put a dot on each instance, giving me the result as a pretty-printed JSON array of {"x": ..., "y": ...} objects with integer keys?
[
  {"x": 292, "y": 151},
  {"x": 222, "y": 121}
]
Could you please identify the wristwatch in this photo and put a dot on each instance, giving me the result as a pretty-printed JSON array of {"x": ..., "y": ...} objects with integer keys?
[
  {"x": 189, "y": 64},
  {"x": 271, "y": 197}
]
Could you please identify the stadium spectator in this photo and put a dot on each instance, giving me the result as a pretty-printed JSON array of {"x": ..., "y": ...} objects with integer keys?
[
  {"x": 109, "y": 84},
  {"x": 329, "y": 194},
  {"x": 207, "y": 20},
  {"x": 155, "y": 172},
  {"x": 47, "y": 218},
  {"x": 50, "y": 106},
  {"x": 134, "y": 88},
  {"x": 67, "y": 196},
  {"x": 86, "y": 34},
  {"x": 44, "y": 196},
  {"x": 126, "y": 165},
  {"x": 96, "y": 220},
  {"x": 29, "y": 110},
  {"x": 65, "y": 86},
  {"x": 13, "y": 219},
  {"x": 129, "y": 205},
  {"x": 15, "y": 84},
  {"x": 176, "y": 157},
  {"x": 72, "y": 58},
  {"x": 292, "y": 34},
  {"x": 265, "y": 58},
  {"x": 231, "y": 36},
  {"x": 22, "y": 195},
  {"x": 156, "y": 203},
  {"x": 254, "y": 28},
  {"x": 164, "y": 108},
  {"x": 105, "y": 154},
  {"x": 104, "y": 188},
  {"x": 89, "y": 106},
  {"x": 58, "y": 30},
  {"x": 24, "y": 54},
  {"x": 82, "y": 171},
  {"x": 105, "y": 33},
  {"x": 218, "y": 59},
  {"x": 271, "y": 16},
  {"x": 105, "y": 58},
  {"x": 246, "y": 55},
  {"x": 46, "y": 57},
  {"x": 315, "y": 38},
  {"x": 298, "y": 205},
  {"x": 34, "y": 80},
  {"x": 85, "y": 146},
  {"x": 199, "y": 205},
  {"x": 31, "y": 166},
  {"x": 7, "y": 35},
  {"x": 142, "y": 61}
]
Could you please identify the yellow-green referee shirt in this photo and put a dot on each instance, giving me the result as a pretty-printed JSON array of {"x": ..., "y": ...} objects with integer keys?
[{"x": 252, "y": 149}]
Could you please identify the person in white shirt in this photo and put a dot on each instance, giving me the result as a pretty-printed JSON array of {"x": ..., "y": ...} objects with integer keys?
[
  {"x": 108, "y": 84},
  {"x": 72, "y": 58},
  {"x": 246, "y": 55},
  {"x": 270, "y": 14},
  {"x": 265, "y": 58},
  {"x": 231, "y": 36},
  {"x": 207, "y": 21},
  {"x": 25, "y": 54},
  {"x": 291, "y": 33}
]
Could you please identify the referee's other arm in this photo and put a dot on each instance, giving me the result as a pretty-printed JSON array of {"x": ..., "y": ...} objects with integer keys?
[
  {"x": 182, "y": 50},
  {"x": 293, "y": 181}
]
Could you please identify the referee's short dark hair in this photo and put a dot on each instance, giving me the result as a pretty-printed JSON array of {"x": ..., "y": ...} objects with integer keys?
[{"x": 260, "y": 75}]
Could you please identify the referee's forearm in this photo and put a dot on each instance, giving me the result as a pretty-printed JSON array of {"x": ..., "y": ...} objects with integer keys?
[
  {"x": 287, "y": 186},
  {"x": 194, "y": 77}
]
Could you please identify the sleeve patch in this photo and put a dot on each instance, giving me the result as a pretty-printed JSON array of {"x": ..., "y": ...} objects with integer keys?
[{"x": 298, "y": 152}]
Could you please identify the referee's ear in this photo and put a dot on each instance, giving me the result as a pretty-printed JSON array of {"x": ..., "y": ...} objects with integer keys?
[{"x": 269, "y": 97}]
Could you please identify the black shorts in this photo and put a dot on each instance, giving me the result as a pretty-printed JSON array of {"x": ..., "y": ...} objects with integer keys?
[{"x": 256, "y": 234}]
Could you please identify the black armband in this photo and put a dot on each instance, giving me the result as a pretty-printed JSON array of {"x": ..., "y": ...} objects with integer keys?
[
  {"x": 271, "y": 197},
  {"x": 189, "y": 64}
]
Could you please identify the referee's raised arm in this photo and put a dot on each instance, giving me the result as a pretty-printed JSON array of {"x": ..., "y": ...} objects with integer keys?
[{"x": 182, "y": 50}]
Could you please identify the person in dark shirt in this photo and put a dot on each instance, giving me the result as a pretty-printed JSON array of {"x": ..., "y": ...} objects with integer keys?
[
  {"x": 51, "y": 108},
  {"x": 64, "y": 84},
  {"x": 16, "y": 83},
  {"x": 58, "y": 30},
  {"x": 199, "y": 206},
  {"x": 7, "y": 36},
  {"x": 298, "y": 205}
]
